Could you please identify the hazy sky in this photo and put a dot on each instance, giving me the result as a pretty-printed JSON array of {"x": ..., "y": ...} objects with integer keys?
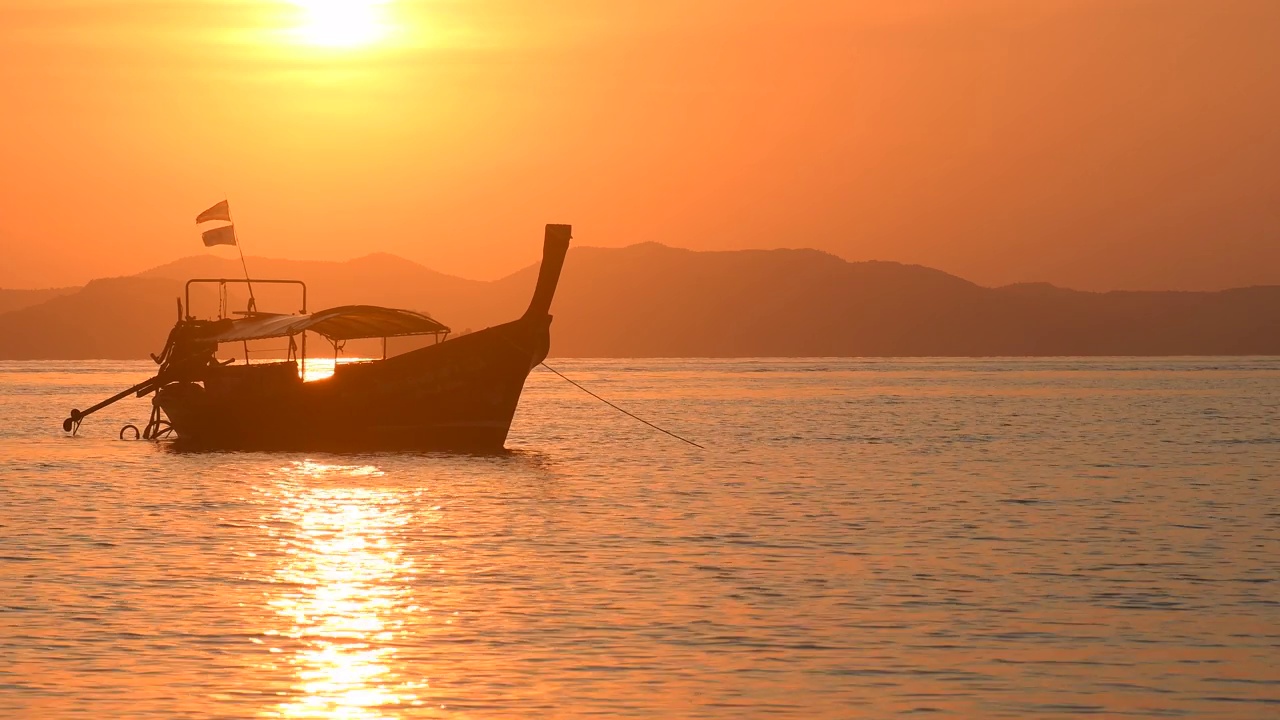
[{"x": 1091, "y": 143}]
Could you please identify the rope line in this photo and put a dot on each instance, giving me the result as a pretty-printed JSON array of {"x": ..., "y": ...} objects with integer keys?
[{"x": 624, "y": 412}]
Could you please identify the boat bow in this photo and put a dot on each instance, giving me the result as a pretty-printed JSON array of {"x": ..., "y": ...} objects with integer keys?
[{"x": 555, "y": 246}]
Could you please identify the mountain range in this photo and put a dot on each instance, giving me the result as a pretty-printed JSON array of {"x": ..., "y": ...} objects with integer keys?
[{"x": 650, "y": 300}]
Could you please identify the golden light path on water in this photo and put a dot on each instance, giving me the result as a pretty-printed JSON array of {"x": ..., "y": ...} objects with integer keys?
[{"x": 344, "y": 594}]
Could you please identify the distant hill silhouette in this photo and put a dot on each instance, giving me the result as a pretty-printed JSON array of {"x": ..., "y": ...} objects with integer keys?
[
  {"x": 649, "y": 300},
  {"x": 378, "y": 279},
  {"x": 114, "y": 318},
  {"x": 18, "y": 299}
]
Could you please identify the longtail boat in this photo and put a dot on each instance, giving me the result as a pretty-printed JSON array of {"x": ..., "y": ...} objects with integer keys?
[{"x": 458, "y": 394}]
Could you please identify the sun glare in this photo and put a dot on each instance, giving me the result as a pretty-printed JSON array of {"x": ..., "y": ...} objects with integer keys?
[{"x": 342, "y": 23}]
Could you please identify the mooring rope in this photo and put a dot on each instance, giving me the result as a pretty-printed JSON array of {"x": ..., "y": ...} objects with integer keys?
[{"x": 624, "y": 412}]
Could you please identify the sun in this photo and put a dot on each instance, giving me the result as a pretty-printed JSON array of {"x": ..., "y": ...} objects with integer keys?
[{"x": 342, "y": 23}]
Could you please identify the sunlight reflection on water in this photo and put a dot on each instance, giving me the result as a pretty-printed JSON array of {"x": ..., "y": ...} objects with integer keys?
[
  {"x": 344, "y": 591},
  {"x": 321, "y": 368}
]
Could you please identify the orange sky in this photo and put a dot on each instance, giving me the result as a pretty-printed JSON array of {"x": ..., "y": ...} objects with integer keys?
[{"x": 1091, "y": 143}]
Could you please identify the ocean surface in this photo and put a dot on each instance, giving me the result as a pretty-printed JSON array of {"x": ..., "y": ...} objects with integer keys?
[{"x": 860, "y": 538}]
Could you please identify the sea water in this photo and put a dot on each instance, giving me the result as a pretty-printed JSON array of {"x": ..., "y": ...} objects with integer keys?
[{"x": 859, "y": 538}]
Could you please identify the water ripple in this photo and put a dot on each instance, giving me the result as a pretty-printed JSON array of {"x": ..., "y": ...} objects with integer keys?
[{"x": 1000, "y": 538}]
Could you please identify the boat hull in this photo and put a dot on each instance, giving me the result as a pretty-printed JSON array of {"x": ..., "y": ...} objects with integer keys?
[{"x": 459, "y": 395}]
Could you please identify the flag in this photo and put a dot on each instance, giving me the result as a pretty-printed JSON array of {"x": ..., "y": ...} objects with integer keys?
[
  {"x": 225, "y": 235},
  {"x": 221, "y": 211}
]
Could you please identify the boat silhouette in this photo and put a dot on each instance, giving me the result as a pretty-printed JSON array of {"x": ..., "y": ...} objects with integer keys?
[{"x": 458, "y": 394}]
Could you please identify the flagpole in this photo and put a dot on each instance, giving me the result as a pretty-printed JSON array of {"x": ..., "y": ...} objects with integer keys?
[{"x": 253, "y": 303}]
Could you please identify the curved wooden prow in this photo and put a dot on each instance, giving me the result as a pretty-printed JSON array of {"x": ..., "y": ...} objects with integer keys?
[{"x": 554, "y": 248}]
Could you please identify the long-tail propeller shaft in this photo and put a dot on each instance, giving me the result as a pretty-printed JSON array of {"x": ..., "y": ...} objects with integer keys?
[{"x": 72, "y": 423}]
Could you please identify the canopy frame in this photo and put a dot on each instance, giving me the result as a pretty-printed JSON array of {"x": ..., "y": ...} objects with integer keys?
[
  {"x": 222, "y": 284},
  {"x": 337, "y": 324}
]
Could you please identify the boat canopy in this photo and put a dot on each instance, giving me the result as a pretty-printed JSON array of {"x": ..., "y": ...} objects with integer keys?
[{"x": 349, "y": 322}]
